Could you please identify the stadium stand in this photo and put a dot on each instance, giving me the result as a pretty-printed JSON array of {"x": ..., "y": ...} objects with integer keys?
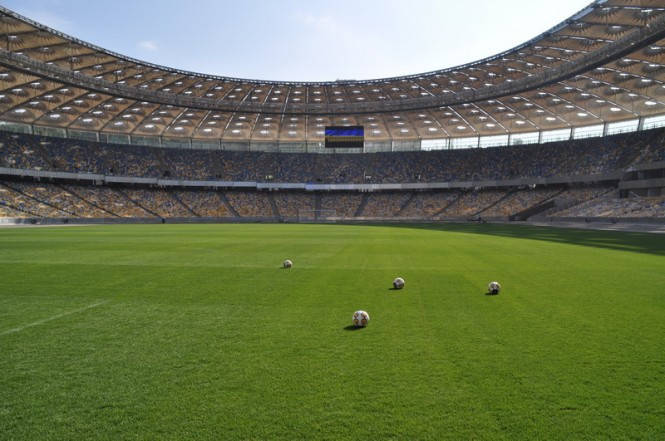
[
  {"x": 63, "y": 199},
  {"x": 250, "y": 204},
  {"x": 204, "y": 203},
  {"x": 290, "y": 205},
  {"x": 569, "y": 158},
  {"x": 109, "y": 200}
]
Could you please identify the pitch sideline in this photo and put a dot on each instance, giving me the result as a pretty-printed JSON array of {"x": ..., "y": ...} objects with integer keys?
[{"x": 55, "y": 317}]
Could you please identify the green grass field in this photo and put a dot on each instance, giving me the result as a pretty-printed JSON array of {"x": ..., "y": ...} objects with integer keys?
[{"x": 196, "y": 332}]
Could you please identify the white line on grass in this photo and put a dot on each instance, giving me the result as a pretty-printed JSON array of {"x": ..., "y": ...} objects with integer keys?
[{"x": 55, "y": 317}]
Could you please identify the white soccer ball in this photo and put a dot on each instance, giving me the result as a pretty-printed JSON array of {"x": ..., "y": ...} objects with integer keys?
[
  {"x": 287, "y": 264},
  {"x": 494, "y": 287},
  {"x": 360, "y": 319},
  {"x": 398, "y": 283}
]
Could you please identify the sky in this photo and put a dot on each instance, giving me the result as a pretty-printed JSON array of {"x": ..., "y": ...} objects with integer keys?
[{"x": 301, "y": 40}]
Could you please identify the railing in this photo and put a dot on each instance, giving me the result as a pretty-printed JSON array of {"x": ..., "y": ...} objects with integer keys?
[{"x": 106, "y": 179}]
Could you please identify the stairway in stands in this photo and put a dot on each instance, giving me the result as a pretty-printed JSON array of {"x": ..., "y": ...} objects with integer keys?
[
  {"x": 503, "y": 198},
  {"x": 136, "y": 203},
  {"x": 273, "y": 205},
  {"x": 405, "y": 205},
  {"x": 185, "y": 206},
  {"x": 362, "y": 205},
  {"x": 227, "y": 204},
  {"x": 452, "y": 203},
  {"x": 72, "y": 191}
]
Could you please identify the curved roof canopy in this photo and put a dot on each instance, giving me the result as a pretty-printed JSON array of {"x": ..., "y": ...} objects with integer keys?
[{"x": 604, "y": 64}]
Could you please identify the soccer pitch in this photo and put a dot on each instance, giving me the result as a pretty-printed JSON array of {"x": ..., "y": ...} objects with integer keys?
[{"x": 197, "y": 332}]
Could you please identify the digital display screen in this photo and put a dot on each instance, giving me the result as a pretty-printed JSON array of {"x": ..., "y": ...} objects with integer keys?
[{"x": 345, "y": 137}]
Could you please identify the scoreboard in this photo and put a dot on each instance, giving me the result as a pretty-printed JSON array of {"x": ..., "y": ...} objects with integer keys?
[{"x": 345, "y": 137}]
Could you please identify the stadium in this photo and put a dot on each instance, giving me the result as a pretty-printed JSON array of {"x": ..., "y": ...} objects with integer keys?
[{"x": 159, "y": 307}]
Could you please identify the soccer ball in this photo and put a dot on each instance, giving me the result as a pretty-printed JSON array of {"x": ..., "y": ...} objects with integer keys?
[
  {"x": 287, "y": 264},
  {"x": 360, "y": 319},
  {"x": 398, "y": 283},
  {"x": 494, "y": 287}
]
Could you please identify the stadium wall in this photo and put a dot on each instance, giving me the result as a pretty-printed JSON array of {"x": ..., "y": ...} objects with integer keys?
[{"x": 357, "y": 220}]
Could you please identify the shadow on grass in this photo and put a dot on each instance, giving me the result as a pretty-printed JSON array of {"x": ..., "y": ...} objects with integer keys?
[
  {"x": 638, "y": 242},
  {"x": 353, "y": 328},
  {"x": 394, "y": 289},
  {"x": 491, "y": 294}
]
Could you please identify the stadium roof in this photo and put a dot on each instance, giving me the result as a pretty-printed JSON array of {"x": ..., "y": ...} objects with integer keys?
[{"x": 604, "y": 64}]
